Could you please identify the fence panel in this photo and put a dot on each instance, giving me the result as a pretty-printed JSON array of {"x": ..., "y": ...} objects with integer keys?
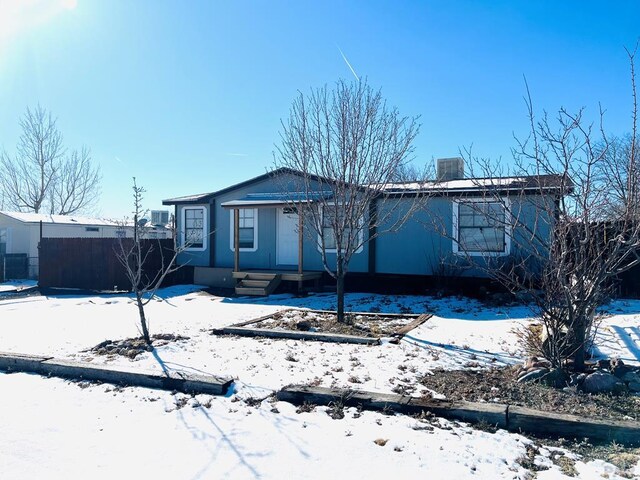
[
  {"x": 14, "y": 266},
  {"x": 92, "y": 263}
]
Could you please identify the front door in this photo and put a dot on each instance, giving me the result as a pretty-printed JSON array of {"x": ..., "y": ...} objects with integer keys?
[{"x": 287, "y": 250}]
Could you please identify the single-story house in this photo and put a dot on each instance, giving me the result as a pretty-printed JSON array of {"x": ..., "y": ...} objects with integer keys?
[
  {"x": 251, "y": 231},
  {"x": 20, "y": 232}
]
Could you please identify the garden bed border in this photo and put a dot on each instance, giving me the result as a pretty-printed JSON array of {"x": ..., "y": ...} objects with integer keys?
[
  {"x": 49, "y": 366},
  {"x": 242, "y": 329},
  {"x": 509, "y": 417}
]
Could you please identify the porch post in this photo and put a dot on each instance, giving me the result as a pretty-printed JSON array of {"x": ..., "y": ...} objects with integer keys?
[
  {"x": 236, "y": 240},
  {"x": 300, "y": 245}
]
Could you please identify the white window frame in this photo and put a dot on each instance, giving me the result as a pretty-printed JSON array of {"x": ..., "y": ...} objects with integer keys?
[
  {"x": 335, "y": 250},
  {"x": 457, "y": 250},
  {"x": 255, "y": 231},
  {"x": 205, "y": 223}
]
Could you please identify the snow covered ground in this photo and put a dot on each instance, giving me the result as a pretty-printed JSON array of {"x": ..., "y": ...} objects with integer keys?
[
  {"x": 46, "y": 423},
  {"x": 17, "y": 285}
]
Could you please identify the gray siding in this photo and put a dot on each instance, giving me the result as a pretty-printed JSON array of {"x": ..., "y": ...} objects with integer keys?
[
  {"x": 423, "y": 246},
  {"x": 265, "y": 257}
]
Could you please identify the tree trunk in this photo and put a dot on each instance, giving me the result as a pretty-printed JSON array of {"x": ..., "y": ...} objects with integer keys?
[
  {"x": 340, "y": 291},
  {"x": 580, "y": 344},
  {"x": 143, "y": 320}
]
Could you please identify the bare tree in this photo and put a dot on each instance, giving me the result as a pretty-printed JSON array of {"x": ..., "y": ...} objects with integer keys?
[
  {"x": 133, "y": 255},
  {"x": 348, "y": 147},
  {"x": 77, "y": 184},
  {"x": 619, "y": 173},
  {"x": 42, "y": 176},
  {"x": 572, "y": 214}
]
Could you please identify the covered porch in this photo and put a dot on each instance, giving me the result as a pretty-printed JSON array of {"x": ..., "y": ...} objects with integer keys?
[{"x": 289, "y": 242}]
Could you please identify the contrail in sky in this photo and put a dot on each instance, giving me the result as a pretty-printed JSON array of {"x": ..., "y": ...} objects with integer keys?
[{"x": 348, "y": 64}]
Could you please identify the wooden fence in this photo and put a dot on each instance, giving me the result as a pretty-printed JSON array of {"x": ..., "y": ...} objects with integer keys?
[{"x": 92, "y": 264}]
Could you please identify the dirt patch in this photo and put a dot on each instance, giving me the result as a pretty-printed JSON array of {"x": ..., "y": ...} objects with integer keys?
[
  {"x": 132, "y": 347},
  {"x": 499, "y": 385},
  {"x": 358, "y": 324}
]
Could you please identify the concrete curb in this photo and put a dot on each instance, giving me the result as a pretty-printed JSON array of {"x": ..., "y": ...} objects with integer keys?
[
  {"x": 181, "y": 382},
  {"x": 510, "y": 417}
]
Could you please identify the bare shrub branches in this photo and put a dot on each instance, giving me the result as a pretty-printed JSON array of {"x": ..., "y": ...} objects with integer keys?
[{"x": 575, "y": 238}]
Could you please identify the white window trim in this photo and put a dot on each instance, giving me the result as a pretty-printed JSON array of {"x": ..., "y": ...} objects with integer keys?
[
  {"x": 335, "y": 250},
  {"x": 507, "y": 228},
  {"x": 205, "y": 235},
  {"x": 255, "y": 231}
]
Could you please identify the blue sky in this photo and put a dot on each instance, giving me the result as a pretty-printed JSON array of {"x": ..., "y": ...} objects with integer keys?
[{"x": 188, "y": 95}]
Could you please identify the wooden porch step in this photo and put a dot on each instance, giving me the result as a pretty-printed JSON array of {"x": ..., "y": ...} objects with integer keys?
[
  {"x": 258, "y": 284},
  {"x": 254, "y": 283},
  {"x": 254, "y": 275}
]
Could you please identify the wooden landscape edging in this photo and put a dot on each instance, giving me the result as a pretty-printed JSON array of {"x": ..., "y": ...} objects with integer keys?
[
  {"x": 260, "y": 319},
  {"x": 242, "y": 329},
  {"x": 371, "y": 314},
  {"x": 401, "y": 332},
  {"x": 296, "y": 335},
  {"x": 182, "y": 382},
  {"x": 510, "y": 417}
]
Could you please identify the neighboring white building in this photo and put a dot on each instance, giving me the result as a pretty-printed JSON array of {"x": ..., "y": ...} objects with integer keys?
[{"x": 20, "y": 232}]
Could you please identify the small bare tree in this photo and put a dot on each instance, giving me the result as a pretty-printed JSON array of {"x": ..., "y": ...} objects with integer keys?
[
  {"x": 133, "y": 255},
  {"x": 573, "y": 216},
  {"x": 43, "y": 175},
  {"x": 349, "y": 148}
]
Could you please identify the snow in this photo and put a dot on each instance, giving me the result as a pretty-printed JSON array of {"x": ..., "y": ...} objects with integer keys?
[
  {"x": 17, "y": 285},
  {"x": 46, "y": 422}
]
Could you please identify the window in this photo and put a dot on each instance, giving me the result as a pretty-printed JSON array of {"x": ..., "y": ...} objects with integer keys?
[
  {"x": 195, "y": 224},
  {"x": 121, "y": 233},
  {"x": 3, "y": 241},
  {"x": 247, "y": 229},
  {"x": 480, "y": 227},
  {"x": 328, "y": 220},
  {"x": 159, "y": 217},
  {"x": 91, "y": 229}
]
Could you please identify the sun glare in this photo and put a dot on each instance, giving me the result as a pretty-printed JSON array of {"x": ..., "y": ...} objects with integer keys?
[{"x": 17, "y": 16}]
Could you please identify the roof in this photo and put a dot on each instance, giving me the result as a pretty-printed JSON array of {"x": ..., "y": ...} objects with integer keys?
[
  {"x": 206, "y": 197},
  {"x": 529, "y": 183},
  {"x": 276, "y": 199},
  {"x": 59, "y": 219}
]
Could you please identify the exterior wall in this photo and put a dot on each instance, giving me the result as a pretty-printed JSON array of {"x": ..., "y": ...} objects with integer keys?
[
  {"x": 265, "y": 256},
  {"x": 19, "y": 236},
  {"x": 418, "y": 246},
  {"x": 424, "y": 245}
]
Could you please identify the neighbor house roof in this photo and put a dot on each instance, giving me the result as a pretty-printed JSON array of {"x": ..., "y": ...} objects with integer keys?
[
  {"x": 59, "y": 219},
  {"x": 71, "y": 220}
]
